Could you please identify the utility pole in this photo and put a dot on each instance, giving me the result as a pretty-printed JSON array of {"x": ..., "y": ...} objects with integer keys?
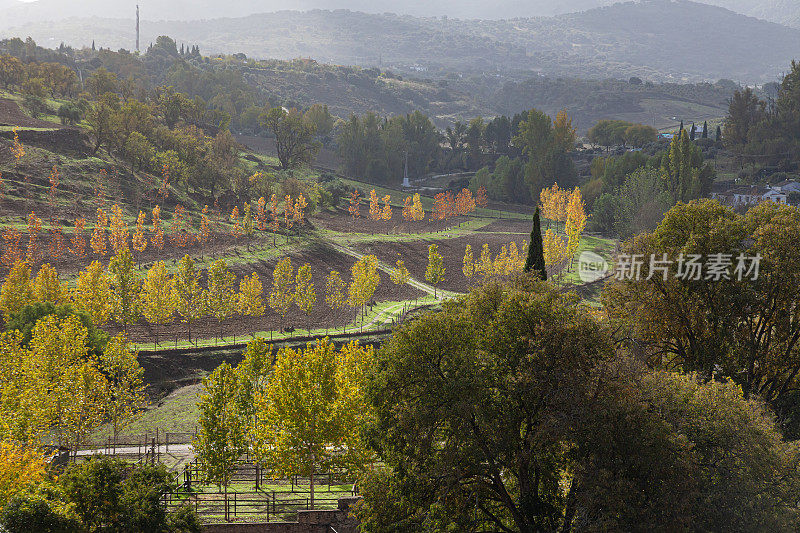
[{"x": 137, "y": 27}]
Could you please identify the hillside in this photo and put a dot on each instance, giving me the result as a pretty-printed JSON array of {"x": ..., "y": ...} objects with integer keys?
[
  {"x": 780, "y": 11},
  {"x": 700, "y": 42}
]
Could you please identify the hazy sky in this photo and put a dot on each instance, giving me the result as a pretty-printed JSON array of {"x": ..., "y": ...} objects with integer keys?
[{"x": 36, "y": 10}]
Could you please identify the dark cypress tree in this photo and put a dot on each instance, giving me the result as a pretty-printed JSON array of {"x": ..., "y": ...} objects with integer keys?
[
  {"x": 705, "y": 129},
  {"x": 535, "y": 259},
  {"x": 719, "y": 133},
  {"x": 93, "y": 49},
  {"x": 693, "y": 132},
  {"x": 680, "y": 130}
]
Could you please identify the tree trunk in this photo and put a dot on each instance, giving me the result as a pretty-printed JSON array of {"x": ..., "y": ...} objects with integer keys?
[{"x": 311, "y": 483}]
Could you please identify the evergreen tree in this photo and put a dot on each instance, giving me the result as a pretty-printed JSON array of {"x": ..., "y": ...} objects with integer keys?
[
  {"x": 705, "y": 129},
  {"x": 693, "y": 132},
  {"x": 680, "y": 130},
  {"x": 719, "y": 134},
  {"x": 535, "y": 260}
]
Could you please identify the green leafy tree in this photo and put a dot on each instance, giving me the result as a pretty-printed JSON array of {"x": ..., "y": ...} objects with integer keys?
[
  {"x": 294, "y": 136},
  {"x": 309, "y": 418},
  {"x": 739, "y": 324},
  {"x": 221, "y": 437}
]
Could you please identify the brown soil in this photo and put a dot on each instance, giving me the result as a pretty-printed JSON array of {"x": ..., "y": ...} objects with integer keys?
[
  {"x": 342, "y": 221},
  {"x": 12, "y": 115},
  {"x": 322, "y": 260},
  {"x": 415, "y": 255}
]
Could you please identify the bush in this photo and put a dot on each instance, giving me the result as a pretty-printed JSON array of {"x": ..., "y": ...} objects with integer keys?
[{"x": 28, "y": 512}]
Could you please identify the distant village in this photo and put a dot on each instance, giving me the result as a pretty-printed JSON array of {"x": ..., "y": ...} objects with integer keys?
[{"x": 729, "y": 193}]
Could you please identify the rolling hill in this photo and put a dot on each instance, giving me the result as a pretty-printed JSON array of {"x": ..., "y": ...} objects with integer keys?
[
  {"x": 17, "y": 12},
  {"x": 672, "y": 40}
]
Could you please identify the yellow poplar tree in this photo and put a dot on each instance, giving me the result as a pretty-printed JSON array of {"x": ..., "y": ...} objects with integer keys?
[
  {"x": 408, "y": 209},
  {"x": 78, "y": 243},
  {"x": 98, "y": 240},
  {"x": 159, "y": 299},
  {"x": 281, "y": 295},
  {"x": 418, "y": 211},
  {"x": 501, "y": 262},
  {"x": 205, "y": 228},
  {"x": 247, "y": 223},
  {"x": 515, "y": 264},
  {"x": 554, "y": 247},
  {"x": 374, "y": 206},
  {"x": 66, "y": 382},
  {"x": 17, "y": 291},
  {"x": 119, "y": 230},
  {"x": 300, "y": 205},
  {"x": 468, "y": 263},
  {"x": 485, "y": 266},
  {"x": 48, "y": 288},
  {"x": 22, "y": 467},
  {"x": 190, "y": 294},
  {"x": 138, "y": 240},
  {"x": 34, "y": 228},
  {"x": 158, "y": 233},
  {"x": 386, "y": 212},
  {"x": 576, "y": 221},
  {"x": 236, "y": 231},
  {"x": 288, "y": 212},
  {"x": 400, "y": 274},
  {"x": 220, "y": 298},
  {"x": 335, "y": 295},
  {"x": 305, "y": 296},
  {"x": 309, "y": 418},
  {"x": 251, "y": 301},
  {"x": 434, "y": 274},
  {"x": 364, "y": 283},
  {"x": 125, "y": 288},
  {"x": 92, "y": 293},
  {"x": 126, "y": 388}
]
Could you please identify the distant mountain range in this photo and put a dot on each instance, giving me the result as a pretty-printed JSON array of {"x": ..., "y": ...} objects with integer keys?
[
  {"x": 18, "y": 12},
  {"x": 673, "y": 40}
]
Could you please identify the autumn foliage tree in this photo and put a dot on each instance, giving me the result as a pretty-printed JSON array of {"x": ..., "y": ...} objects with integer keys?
[
  {"x": 157, "y": 238},
  {"x": 92, "y": 293},
  {"x": 434, "y": 273},
  {"x": 355, "y": 204},
  {"x": 189, "y": 292},
  {"x": 364, "y": 281},
  {"x": 282, "y": 295},
  {"x": 98, "y": 241},
  {"x": 308, "y": 418},
  {"x": 251, "y": 301},
  {"x": 374, "y": 206},
  {"x": 34, "y": 228},
  {"x": 305, "y": 295},
  {"x": 335, "y": 291},
  {"x": 78, "y": 242},
  {"x": 159, "y": 299},
  {"x": 118, "y": 229}
]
